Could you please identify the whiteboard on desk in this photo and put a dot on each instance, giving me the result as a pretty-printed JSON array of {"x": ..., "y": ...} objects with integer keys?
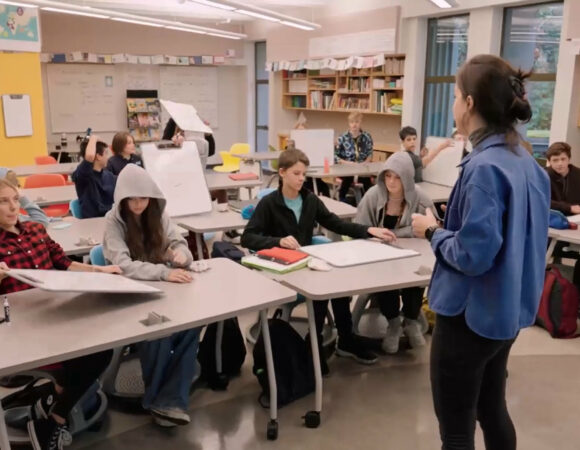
[
  {"x": 180, "y": 176},
  {"x": 317, "y": 144},
  {"x": 443, "y": 169},
  {"x": 65, "y": 281},
  {"x": 376, "y": 41},
  {"x": 80, "y": 97},
  {"x": 197, "y": 86},
  {"x": 17, "y": 115},
  {"x": 356, "y": 252}
]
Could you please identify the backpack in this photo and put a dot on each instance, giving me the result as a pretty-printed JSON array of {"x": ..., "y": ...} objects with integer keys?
[
  {"x": 558, "y": 312},
  {"x": 226, "y": 250},
  {"x": 233, "y": 354},
  {"x": 292, "y": 363},
  {"x": 559, "y": 221}
]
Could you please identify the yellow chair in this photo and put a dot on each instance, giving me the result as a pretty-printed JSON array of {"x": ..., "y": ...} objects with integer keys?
[
  {"x": 240, "y": 148},
  {"x": 229, "y": 163}
]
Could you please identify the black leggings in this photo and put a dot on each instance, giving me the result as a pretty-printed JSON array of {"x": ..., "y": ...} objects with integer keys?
[
  {"x": 342, "y": 315},
  {"x": 468, "y": 381},
  {"x": 347, "y": 182},
  {"x": 390, "y": 304},
  {"x": 76, "y": 377}
]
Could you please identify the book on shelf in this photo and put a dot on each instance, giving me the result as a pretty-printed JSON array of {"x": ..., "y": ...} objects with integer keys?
[
  {"x": 298, "y": 86},
  {"x": 348, "y": 102},
  {"x": 321, "y": 100},
  {"x": 298, "y": 101}
]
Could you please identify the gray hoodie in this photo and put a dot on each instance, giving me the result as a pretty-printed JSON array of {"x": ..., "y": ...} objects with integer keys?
[
  {"x": 372, "y": 207},
  {"x": 134, "y": 181}
]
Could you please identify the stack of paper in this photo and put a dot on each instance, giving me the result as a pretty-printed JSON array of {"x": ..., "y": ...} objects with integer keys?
[{"x": 271, "y": 266}]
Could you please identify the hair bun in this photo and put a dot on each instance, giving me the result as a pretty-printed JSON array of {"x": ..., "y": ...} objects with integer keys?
[{"x": 520, "y": 109}]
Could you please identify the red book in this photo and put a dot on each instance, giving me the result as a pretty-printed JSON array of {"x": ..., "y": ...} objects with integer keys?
[
  {"x": 243, "y": 176},
  {"x": 282, "y": 255}
]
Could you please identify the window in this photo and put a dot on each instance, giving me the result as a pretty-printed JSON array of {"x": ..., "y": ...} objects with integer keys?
[
  {"x": 261, "y": 97},
  {"x": 531, "y": 40},
  {"x": 446, "y": 52}
]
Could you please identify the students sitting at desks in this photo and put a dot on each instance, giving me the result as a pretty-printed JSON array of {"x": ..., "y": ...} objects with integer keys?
[
  {"x": 27, "y": 245},
  {"x": 34, "y": 212},
  {"x": 391, "y": 204},
  {"x": 142, "y": 240},
  {"x": 94, "y": 183},
  {"x": 408, "y": 137},
  {"x": 173, "y": 133},
  {"x": 354, "y": 146},
  {"x": 564, "y": 179},
  {"x": 124, "y": 152},
  {"x": 286, "y": 218}
]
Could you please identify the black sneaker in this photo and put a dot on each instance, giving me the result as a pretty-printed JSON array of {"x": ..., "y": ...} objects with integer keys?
[
  {"x": 351, "y": 347},
  {"x": 232, "y": 236},
  {"x": 323, "y": 364},
  {"x": 46, "y": 434},
  {"x": 43, "y": 405}
]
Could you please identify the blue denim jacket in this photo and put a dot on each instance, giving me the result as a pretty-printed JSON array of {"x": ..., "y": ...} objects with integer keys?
[{"x": 491, "y": 252}]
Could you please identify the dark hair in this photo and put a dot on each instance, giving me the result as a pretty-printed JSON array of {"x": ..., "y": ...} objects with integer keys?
[
  {"x": 407, "y": 131},
  {"x": 120, "y": 140},
  {"x": 498, "y": 93},
  {"x": 557, "y": 148},
  {"x": 290, "y": 157},
  {"x": 101, "y": 147},
  {"x": 145, "y": 237},
  {"x": 169, "y": 130}
]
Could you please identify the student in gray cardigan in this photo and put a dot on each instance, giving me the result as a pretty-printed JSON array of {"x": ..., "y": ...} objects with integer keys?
[{"x": 391, "y": 204}]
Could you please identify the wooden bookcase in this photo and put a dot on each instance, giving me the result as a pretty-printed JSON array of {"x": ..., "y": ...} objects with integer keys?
[{"x": 370, "y": 91}]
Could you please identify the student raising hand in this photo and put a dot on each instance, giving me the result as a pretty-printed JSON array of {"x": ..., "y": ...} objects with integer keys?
[
  {"x": 289, "y": 242},
  {"x": 383, "y": 234},
  {"x": 179, "y": 276}
]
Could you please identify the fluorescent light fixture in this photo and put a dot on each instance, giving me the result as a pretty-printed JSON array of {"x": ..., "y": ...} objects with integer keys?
[
  {"x": 224, "y": 36},
  {"x": 137, "y": 22},
  {"x": 258, "y": 15},
  {"x": 23, "y": 5},
  {"x": 445, "y": 4},
  {"x": 74, "y": 12},
  {"x": 214, "y": 4},
  {"x": 189, "y": 30},
  {"x": 296, "y": 25}
]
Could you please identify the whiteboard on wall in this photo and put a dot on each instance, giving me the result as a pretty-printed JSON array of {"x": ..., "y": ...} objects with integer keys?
[
  {"x": 197, "y": 86},
  {"x": 180, "y": 176},
  {"x": 317, "y": 144},
  {"x": 376, "y": 41},
  {"x": 443, "y": 169},
  {"x": 82, "y": 96}
]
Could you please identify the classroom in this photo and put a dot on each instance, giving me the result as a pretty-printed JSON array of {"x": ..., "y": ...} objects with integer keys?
[{"x": 289, "y": 224}]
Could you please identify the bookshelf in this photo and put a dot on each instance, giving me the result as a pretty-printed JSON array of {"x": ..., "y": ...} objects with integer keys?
[
  {"x": 144, "y": 115},
  {"x": 377, "y": 90}
]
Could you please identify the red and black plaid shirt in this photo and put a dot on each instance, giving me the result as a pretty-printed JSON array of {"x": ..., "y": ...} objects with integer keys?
[{"x": 31, "y": 249}]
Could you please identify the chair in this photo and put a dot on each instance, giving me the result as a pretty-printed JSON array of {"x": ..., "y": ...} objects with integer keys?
[
  {"x": 75, "y": 208},
  {"x": 229, "y": 163},
  {"x": 48, "y": 180},
  {"x": 45, "y": 160},
  {"x": 97, "y": 257},
  {"x": 240, "y": 148}
]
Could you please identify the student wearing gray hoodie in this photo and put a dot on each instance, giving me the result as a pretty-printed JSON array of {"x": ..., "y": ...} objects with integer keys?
[
  {"x": 391, "y": 204},
  {"x": 140, "y": 238}
]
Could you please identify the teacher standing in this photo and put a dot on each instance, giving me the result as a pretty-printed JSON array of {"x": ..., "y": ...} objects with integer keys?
[{"x": 490, "y": 254}]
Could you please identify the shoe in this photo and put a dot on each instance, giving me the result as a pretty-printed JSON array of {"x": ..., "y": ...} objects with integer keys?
[
  {"x": 174, "y": 415},
  {"x": 163, "y": 422},
  {"x": 413, "y": 331},
  {"x": 394, "y": 333},
  {"x": 351, "y": 347},
  {"x": 43, "y": 405},
  {"x": 325, "y": 371},
  {"x": 46, "y": 434},
  {"x": 232, "y": 236}
]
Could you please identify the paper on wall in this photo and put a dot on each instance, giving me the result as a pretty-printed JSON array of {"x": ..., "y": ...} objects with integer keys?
[
  {"x": 92, "y": 58},
  {"x": 119, "y": 58},
  {"x": 207, "y": 59},
  {"x": 158, "y": 59}
]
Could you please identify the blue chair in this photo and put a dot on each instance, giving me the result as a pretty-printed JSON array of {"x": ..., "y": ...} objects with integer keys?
[
  {"x": 264, "y": 192},
  {"x": 96, "y": 256},
  {"x": 75, "y": 208}
]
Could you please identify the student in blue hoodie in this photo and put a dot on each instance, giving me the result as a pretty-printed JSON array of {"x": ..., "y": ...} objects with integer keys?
[{"x": 490, "y": 254}]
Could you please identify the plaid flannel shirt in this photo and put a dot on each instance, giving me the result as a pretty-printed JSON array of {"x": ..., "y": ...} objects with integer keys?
[
  {"x": 31, "y": 249},
  {"x": 351, "y": 149}
]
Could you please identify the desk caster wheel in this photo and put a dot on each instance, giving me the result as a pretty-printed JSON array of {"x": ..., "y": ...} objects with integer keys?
[
  {"x": 220, "y": 383},
  {"x": 312, "y": 419},
  {"x": 272, "y": 431}
]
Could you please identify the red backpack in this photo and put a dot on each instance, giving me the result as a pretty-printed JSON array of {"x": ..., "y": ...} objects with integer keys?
[{"x": 558, "y": 312}]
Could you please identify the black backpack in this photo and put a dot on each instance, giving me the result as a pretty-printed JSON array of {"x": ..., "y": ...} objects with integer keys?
[
  {"x": 226, "y": 250},
  {"x": 292, "y": 363}
]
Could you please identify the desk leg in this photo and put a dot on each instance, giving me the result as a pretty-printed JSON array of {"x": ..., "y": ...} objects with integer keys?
[
  {"x": 218, "y": 347},
  {"x": 4, "y": 442},
  {"x": 199, "y": 245},
  {"x": 551, "y": 248},
  {"x": 272, "y": 431},
  {"x": 312, "y": 418}
]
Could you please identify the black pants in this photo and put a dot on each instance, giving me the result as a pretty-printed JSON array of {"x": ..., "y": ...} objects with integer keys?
[
  {"x": 468, "y": 380},
  {"x": 342, "y": 315},
  {"x": 347, "y": 182},
  {"x": 389, "y": 302},
  {"x": 76, "y": 377},
  {"x": 321, "y": 186}
]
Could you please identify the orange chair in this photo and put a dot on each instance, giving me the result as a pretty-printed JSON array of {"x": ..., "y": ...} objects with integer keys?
[
  {"x": 48, "y": 180},
  {"x": 46, "y": 159}
]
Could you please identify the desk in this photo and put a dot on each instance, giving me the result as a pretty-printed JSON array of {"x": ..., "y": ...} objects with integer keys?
[
  {"x": 346, "y": 170},
  {"x": 66, "y": 169},
  {"x": 217, "y": 181},
  {"x": 437, "y": 192},
  {"x": 51, "y": 195},
  {"x": 258, "y": 156},
  {"x": 103, "y": 321},
  {"x": 571, "y": 236}
]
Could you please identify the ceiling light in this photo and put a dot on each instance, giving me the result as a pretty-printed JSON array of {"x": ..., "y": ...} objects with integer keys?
[
  {"x": 23, "y": 5},
  {"x": 223, "y": 36},
  {"x": 74, "y": 12},
  {"x": 258, "y": 15},
  {"x": 189, "y": 30},
  {"x": 445, "y": 4},
  {"x": 297, "y": 25},
  {"x": 214, "y": 4},
  {"x": 137, "y": 22}
]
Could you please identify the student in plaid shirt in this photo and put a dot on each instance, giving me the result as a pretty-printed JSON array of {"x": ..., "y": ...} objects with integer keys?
[{"x": 27, "y": 245}]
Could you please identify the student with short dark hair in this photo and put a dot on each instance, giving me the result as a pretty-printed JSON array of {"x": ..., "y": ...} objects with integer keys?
[
  {"x": 124, "y": 152},
  {"x": 408, "y": 136},
  {"x": 286, "y": 218},
  {"x": 564, "y": 179},
  {"x": 94, "y": 183}
]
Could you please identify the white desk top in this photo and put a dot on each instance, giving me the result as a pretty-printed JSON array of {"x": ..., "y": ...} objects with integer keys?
[
  {"x": 366, "y": 278},
  {"x": 259, "y": 156},
  {"x": 214, "y": 160},
  {"x": 51, "y": 195},
  {"x": 347, "y": 170},
  {"x": 436, "y": 192},
  {"x": 571, "y": 236},
  {"x": 50, "y": 327},
  {"x": 36, "y": 169},
  {"x": 216, "y": 181}
]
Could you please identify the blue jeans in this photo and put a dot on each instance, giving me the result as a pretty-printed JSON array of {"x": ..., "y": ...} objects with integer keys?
[{"x": 168, "y": 367}]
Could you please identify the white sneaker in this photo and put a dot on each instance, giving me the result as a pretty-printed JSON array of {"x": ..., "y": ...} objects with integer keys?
[
  {"x": 394, "y": 332},
  {"x": 163, "y": 423},
  {"x": 174, "y": 415},
  {"x": 414, "y": 333}
]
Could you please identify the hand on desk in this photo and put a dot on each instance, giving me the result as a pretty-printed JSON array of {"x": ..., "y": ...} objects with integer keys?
[
  {"x": 384, "y": 234},
  {"x": 289, "y": 242},
  {"x": 3, "y": 269},
  {"x": 108, "y": 269},
  {"x": 575, "y": 209},
  {"x": 179, "y": 276},
  {"x": 422, "y": 222},
  {"x": 176, "y": 257}
]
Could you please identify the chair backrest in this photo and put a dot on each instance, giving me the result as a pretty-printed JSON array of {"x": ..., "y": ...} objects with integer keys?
[
  {"x": 229, "y": 160},
  {"x": 264, "y": 192},
  {"x": 44, "y": 180},
  {"x": 96, "y": 256},
  {"x": 45, "y": 159},
  {"x": 75, "y": 208},
  {"x": 240, "y": 148},
  {"x": 320, "y": 239}
]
